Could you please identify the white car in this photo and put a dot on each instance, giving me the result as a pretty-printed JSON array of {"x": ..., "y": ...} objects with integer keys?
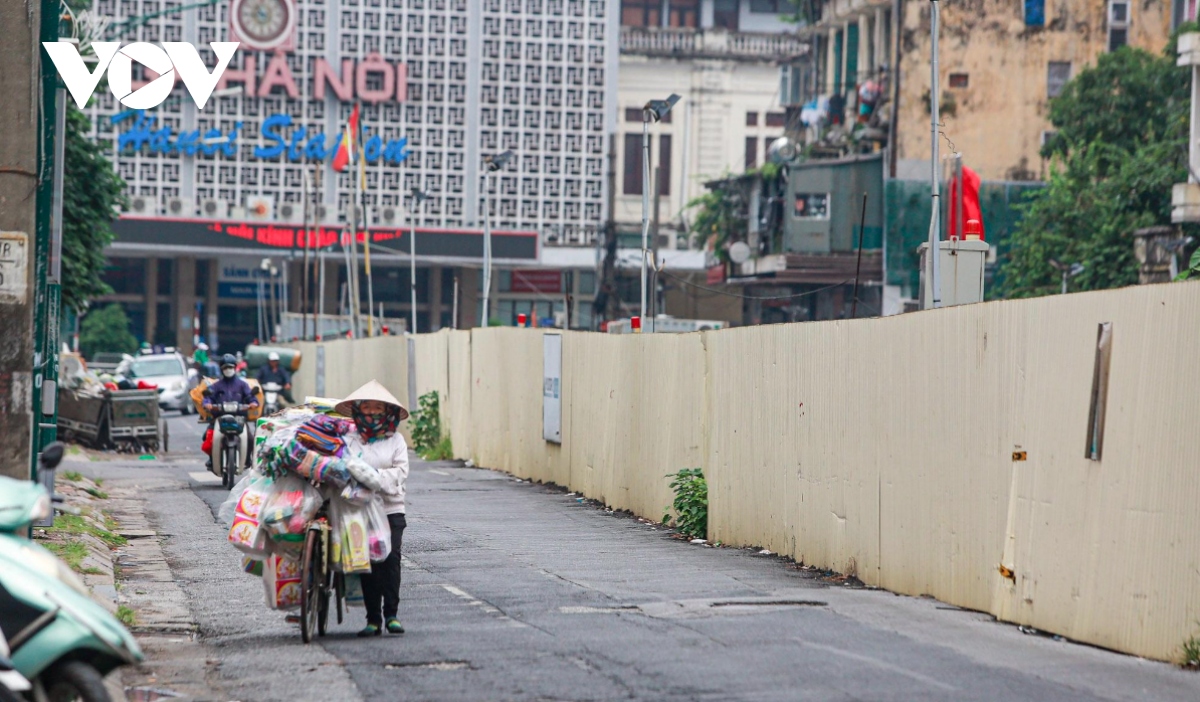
[{"x": 169, "y": 372}]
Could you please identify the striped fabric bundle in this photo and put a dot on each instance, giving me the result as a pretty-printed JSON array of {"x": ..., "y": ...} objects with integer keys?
[{"x": 323, "y": 434}]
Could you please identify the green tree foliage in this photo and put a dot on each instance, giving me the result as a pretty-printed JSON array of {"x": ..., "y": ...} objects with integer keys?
[
  {"x": 107, "y": 330},
  {"x": 721, "y": 214},
  {"x": 92, "y": 191},
  {"x": 1120, "y": 144}
]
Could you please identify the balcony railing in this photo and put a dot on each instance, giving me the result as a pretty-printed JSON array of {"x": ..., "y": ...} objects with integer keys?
[{"x": 712, "y": 43}]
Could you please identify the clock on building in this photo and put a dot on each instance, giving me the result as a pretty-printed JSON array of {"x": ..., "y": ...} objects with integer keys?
[{"x": 264, "y": 24}]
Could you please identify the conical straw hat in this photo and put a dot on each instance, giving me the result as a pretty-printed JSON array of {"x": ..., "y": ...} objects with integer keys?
[{"x": 371, "y": 391}]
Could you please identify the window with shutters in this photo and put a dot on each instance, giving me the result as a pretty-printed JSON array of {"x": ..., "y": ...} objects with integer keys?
[
  {"x": 632, "y": 182},
  {"x": 1057, "y": 75},
  {"x": 664, "y": 160}
]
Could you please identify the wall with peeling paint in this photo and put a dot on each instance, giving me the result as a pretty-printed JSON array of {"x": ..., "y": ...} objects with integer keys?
[{"x": 998, "y": 120}]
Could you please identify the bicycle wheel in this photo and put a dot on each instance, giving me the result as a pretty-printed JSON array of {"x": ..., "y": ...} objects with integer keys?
[
  {"x": 323, "y": 592},
  {"x": 311, "y": 568}
]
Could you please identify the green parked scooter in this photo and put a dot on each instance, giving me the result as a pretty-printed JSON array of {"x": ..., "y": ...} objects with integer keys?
[{"x": 60, "y": 639}]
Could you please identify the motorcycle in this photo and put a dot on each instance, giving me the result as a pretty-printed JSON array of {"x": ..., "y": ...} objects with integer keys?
[
  {"x": 272, "y": 392},
  {"x": 61, "y": 641},
  {"x": 234, "y": 445}
]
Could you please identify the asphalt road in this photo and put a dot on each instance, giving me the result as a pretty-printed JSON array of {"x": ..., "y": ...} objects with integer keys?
[{"x": 518, "y": 591}]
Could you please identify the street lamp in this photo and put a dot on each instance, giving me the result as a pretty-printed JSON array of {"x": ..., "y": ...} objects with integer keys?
[
  {"x": 418, "y": 196},
  {"x": 493, "y": 163},
  {"x": 654, "y": 110},
  {"x": 1068, "y": 271},
  {"x": 276, "y": 298},
  {"x": 264, "y": 269}
]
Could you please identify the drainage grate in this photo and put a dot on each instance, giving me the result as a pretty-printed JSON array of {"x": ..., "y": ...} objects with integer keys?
[
  {"x": 769, "y": 603},
  {"x": 434, "y": 665}
]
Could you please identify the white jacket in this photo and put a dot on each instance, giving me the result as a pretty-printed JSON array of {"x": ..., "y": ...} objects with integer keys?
[{"x": 390, "y": 456}]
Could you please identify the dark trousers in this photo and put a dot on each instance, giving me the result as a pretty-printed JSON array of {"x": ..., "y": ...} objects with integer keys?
[{"x": 381, "y": 587}]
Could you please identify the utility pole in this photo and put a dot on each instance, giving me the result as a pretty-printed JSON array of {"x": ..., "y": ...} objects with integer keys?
[
  {"x": 654, "y": 110},
  {"x": 307, "y": 233},
  {"x": 1185, "y": 197},
  {"x": 28, "y": 306},
  {"x": 418, "y": 196},
  {"x": 935, "y": 233},
  {"x": 606, "y": 305},
  {"x": 491, "y": 164}
]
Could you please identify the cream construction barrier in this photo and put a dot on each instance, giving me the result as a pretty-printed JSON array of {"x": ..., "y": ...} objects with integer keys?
[{"x": 942, "y": 453}]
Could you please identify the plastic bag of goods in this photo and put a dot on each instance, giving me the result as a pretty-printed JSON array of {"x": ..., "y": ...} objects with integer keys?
[
  {"x": 290, "y": 506},
  {"x": 379, "y": 532},
  {"x": 354, "y": 593},
  {"x": 247, "y": 533},
  {"x": 228, "y": 508},
  {"x": 281, "y": 582},
  {"x": 356, "y": 494},
  {"x": 349, "y": 537},
  {"x": 253, "y": 566},
  {"x": 279, "y": 452},
  {"x": 366, "y": 474},
  {"x": 319, "y": 469}
]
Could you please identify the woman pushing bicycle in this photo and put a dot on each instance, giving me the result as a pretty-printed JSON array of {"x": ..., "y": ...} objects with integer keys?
[{"x": 377, "y": 415}]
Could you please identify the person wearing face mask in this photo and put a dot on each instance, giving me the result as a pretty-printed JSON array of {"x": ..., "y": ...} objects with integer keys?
[
  {"x": 228, "y": 388},
  {"x": 377, "y": 442}
]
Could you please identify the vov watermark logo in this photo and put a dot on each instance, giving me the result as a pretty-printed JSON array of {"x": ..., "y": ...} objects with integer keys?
[{"x": 175, "y": 57}]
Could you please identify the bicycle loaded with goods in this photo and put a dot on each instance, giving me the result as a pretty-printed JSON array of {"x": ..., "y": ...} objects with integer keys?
[{"x": 307, "y": 517}]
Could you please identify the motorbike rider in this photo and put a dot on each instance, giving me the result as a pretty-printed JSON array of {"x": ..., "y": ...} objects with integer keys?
[
  {"x": 228, "y": 388},
  {"x": 275, "y": 373}
]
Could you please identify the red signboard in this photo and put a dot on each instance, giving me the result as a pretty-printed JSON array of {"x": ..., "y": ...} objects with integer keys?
[
  {"x": 536, "y": 281},
  {"x": 266, "y": 236},
  {"x": 716, "y": 274}
]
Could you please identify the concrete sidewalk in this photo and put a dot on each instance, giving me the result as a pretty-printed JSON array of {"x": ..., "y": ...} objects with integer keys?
[{"x": 518, "y": 591}]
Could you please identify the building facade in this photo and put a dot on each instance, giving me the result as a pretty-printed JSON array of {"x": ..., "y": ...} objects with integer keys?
[
  {"x": 1000, "y": 65},
  {"x": 722, "y": 58},
  {"x": 438, "y": 84}
]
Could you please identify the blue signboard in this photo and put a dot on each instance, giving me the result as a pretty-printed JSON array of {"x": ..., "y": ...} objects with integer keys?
[
  {"x": 299, "y": 145},
  {"x": 245, "y": 291}
]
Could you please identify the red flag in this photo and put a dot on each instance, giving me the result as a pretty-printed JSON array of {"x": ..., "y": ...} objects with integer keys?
[
  {"x": 966, "y": 197},
  {"x": 346, "y": 146}
]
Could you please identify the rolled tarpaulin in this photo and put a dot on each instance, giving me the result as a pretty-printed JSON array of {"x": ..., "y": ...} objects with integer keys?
[{"x": 256, "y": 357}]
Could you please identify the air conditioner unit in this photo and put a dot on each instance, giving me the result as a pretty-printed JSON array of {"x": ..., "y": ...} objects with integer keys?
[
  {"x": 214, "y": 209},
  {"x": 321, "y": 214},
  {"x": 260, "y": 208},
  {"x": 178, "y": 207},
  {"x": 291, "y": 212},
  {"x": 237, "y": 213},
  {"x": 389, "y": 216},
  {"x": 142, "y": 206}
]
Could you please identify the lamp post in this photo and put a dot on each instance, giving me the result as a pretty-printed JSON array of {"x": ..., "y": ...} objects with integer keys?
[
  {"x": 493, "y": 163},
  {"x": 418, "y": 196},
  {"x": 935, "y": 229},
  {"x": 1068, "y": 271},
  {"x": 264, "y": 320},
  {"x": 654, "y": 110}
]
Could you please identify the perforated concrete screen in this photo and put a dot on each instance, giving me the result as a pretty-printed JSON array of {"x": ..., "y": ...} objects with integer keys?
[{"x": 456, "y": 79}]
